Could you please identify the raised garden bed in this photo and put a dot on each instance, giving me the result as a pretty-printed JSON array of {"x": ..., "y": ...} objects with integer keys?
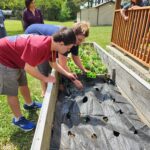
[{"x": 98, "y": 117}]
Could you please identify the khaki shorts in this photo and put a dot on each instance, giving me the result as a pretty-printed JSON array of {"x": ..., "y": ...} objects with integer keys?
[{"x": 10, "y": 79}]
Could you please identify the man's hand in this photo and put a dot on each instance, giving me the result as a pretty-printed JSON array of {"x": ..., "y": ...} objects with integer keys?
[
  {"x": 78, "y": 84},
  {"x": 51, "y": 79},
  {"x": 75, "y": 76},
  {"x": 72, "y": 76},
  {"x": 86, "y": 70},
  {"x": 126, "y": 18}
]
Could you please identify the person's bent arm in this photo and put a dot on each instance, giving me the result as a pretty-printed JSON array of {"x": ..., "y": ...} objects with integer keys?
[
  {"x": 63, "y": 62},
  {"x": 62, "y": 71},
  {"x": 124, "y": 9},
  {"x": 35, "y": 73},
  {"x": 122, "y": 12},
  {"x": 78, "y": 62},
  {"x": 71, "y": 76},
  {"x": 78, "y": 84}
]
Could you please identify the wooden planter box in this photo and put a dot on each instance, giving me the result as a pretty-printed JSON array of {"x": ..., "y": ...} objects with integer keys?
[{"x": 135, "y": 89}]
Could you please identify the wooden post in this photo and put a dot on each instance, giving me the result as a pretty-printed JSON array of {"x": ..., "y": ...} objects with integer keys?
[{"x": 118, "y": 3}]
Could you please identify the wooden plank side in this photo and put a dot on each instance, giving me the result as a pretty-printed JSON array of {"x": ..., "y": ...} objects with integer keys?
[
  {"x": 41, "y": 139},
  {"x": 133, "y": 86}
]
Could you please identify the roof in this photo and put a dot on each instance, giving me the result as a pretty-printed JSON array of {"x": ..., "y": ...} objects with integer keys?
[
  {"x": 83, "y": 6},
  {"x": 105, "y": 3}
]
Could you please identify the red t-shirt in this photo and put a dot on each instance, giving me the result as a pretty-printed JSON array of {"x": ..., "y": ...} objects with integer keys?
[{"x": 15, "y": 51}]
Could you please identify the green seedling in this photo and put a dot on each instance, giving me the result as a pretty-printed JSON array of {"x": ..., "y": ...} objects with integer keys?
[{"x": 91, "y": 75}]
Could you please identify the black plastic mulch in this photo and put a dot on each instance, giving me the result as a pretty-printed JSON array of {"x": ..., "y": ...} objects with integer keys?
[{"x": 97, "y": 118}]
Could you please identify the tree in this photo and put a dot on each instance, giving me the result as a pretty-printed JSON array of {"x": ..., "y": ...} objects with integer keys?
[
  {"x": 51, "y": 9},
  {"x": 65, "y": 12},
  {"x": 11, "y": 4},
  {"x": 74, "y": 6}
]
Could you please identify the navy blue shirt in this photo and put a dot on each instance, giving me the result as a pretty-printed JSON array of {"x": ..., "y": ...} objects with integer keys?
[
  {"x": 74, "y": 51},
  {"x": 47, "y": 29}
]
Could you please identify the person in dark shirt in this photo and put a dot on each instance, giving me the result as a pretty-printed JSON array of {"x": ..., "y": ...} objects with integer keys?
[
  {"x": 81, "y": 30},
  {"x": 31, "y": 14},
  {"x": 2, "y": 27},
  {"x": 133, "y": 4}
]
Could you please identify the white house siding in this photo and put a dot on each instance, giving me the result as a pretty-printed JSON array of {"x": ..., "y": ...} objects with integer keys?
[
  {"x": 78, "y": 17},
  {"x": 85, "y": 14},
  {"x": 93, "y": 16},
  {"x": 106, "y": 13},
  {"x": 100, "y": 15}
]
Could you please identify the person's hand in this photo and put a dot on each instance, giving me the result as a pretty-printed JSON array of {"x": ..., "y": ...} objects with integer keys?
[
  {"x": 126, "y": 18},
  {"x": 86, "y": 70},
  {"x": 51, "y": 79},
  {"x": 78, "y": 84},
  {"x": 75, "y": 75},
  {"x": 72, "y": 76},
  {"x": 134, "y": 7}
]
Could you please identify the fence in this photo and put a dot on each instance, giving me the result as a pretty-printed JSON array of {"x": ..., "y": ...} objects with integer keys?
[{"x": 133, "y": 36}]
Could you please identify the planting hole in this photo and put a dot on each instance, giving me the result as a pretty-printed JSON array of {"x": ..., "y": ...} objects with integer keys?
[
  {"x": 71, "y": 134},
  {"x": 105, "y": 119},
  {"x": 85, "y": 99},
  {"x": 116, "y": 133},
  {"x": 94, "y": 136},
  {"x": 68, "y": 115},
  {"x": 97, "y": 89}
]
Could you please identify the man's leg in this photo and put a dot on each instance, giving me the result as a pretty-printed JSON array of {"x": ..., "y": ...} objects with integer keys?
[
  {"x": 14, "y": 105},
  {"x": 18, "y": 119},
  {"x": 26, "y": 94},
  {"x": 29, "y": 104},
  {"x": 9, "y": 86}
]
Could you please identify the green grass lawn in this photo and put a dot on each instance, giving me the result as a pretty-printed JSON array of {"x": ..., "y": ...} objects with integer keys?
[
  {"x": 12, "y": 138},
  {"x": 100, "y": 34}
]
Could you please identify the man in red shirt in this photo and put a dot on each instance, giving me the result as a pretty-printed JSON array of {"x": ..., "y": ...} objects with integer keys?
[{"x": 22, "y": 53}]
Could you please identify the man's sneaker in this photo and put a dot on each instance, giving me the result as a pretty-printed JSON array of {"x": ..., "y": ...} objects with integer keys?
[
  {"x": 24, "y": 124},
  {"x": 35, "y": 105}
]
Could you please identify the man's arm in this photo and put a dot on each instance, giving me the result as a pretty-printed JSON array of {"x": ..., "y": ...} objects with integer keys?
[
  {"x": 62, "y": 71},
  {"x": 35, "y": 73},
  {"x": 124, "y": 9},
  {"x": 122, "y": 12},
  {"x": 78, "y": 62},
  {"x": 63, "y": 62}
]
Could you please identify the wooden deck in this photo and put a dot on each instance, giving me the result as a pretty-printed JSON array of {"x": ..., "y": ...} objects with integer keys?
[{"x": 133, "y": 36}]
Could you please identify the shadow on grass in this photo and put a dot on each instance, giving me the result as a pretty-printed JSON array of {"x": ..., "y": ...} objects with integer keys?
[{"x": 21, "y": 139}]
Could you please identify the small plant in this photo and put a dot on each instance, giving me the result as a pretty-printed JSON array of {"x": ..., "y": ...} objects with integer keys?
[
  {"x": 91, "y": 75},
  {"x": 90, "y": 61}
]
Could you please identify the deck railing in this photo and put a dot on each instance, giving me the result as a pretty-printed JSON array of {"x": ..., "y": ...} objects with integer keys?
[{"x": 133, "y": 36}]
